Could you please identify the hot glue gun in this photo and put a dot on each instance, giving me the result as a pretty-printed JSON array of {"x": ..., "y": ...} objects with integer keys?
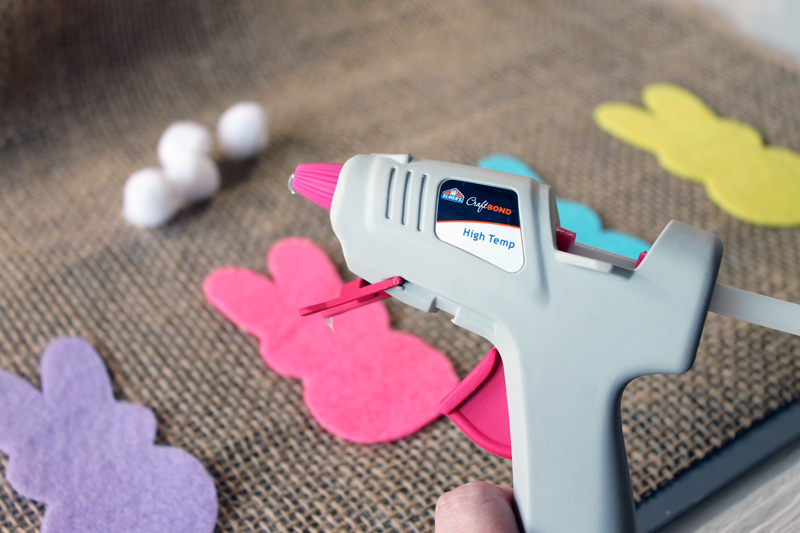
[{"x": 573, "y": 324}]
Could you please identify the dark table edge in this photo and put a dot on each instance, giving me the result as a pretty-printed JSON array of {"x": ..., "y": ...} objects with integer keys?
[{"x": 719, "y": 469}]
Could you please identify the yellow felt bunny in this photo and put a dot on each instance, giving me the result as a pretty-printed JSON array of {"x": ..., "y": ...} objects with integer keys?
[{"x": 748, "y": 180}]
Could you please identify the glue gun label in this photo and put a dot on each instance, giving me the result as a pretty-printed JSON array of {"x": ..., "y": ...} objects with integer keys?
[{"x": 481, "y": 220}]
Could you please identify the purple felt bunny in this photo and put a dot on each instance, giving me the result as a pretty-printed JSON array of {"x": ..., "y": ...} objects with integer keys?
[{"x": 91, "y": 459}]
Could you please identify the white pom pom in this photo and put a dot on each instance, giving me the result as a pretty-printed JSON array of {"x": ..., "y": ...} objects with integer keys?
[
  {"x": 195, "y": 176},
  {"x": 149, "y": 199},
  {"x": 182, "y": 137},
  {"x": 242, "y": 130}
]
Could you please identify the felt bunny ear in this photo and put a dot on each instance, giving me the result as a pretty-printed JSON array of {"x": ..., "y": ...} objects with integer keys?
[
  {"x": 138, "y": 429},
  {"x": 74, "y": 373},
  {"x": 675, "y": 104},
  {"x": 632, "y": 124},
  {"x": 243, "y": 296},
  {"x": 303, "y": 273},
  {"x": 21, "y": 408}
]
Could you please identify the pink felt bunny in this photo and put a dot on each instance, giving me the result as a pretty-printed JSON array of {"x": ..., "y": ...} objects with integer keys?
[{"x": 362, "y": 380}]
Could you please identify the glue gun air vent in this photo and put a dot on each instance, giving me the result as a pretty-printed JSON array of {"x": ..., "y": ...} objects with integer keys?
[
  {"x": 317, "y": 182},
  {"x": 412, "y": 191}
]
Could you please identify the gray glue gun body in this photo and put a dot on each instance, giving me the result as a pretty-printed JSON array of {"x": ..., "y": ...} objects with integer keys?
[
  {"x": 572, "y": 330},
  {"x": 573, "y": 324}
]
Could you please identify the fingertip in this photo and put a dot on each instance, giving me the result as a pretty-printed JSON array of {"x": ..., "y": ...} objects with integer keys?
[{"x": 477, "y": 507}]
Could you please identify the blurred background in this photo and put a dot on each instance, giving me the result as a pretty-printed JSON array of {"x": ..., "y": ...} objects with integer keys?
[{"x": 774, "y": 22}]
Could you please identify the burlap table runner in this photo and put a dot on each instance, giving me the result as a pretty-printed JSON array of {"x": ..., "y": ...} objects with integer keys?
[{"x": 87, "y": 87}]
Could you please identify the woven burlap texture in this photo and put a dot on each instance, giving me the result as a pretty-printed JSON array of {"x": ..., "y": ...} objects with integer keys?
[{"x": 86, "y": 88}]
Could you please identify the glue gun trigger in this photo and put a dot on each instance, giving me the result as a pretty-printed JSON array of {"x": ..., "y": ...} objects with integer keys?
[
  {"x": 353, "y": 295},
  {"x": 479, "y": 406}
]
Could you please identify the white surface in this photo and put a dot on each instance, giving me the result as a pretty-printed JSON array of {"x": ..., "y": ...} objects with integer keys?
[
  {"x": 196, "y": 177},
  {"x": 149, "y": 200},
  {"x": 182, "y": 137},
  {"x": 765, "y": 500},
  {"x": 774, "y": 22},
  {"x": 242, "y": 131}
]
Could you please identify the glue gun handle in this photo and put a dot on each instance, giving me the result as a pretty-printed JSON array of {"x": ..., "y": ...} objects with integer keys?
[{"x": 569, "y": 462}]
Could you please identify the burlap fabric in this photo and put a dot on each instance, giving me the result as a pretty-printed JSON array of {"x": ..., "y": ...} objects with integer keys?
[{"x": 87, "y": 86}]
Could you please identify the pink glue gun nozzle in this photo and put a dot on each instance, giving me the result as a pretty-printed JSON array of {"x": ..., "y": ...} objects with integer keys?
[{"x": 316, "y": 182}]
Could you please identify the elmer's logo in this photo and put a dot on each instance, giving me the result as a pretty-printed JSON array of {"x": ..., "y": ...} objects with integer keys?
[{"x": 454, "y": 195}]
